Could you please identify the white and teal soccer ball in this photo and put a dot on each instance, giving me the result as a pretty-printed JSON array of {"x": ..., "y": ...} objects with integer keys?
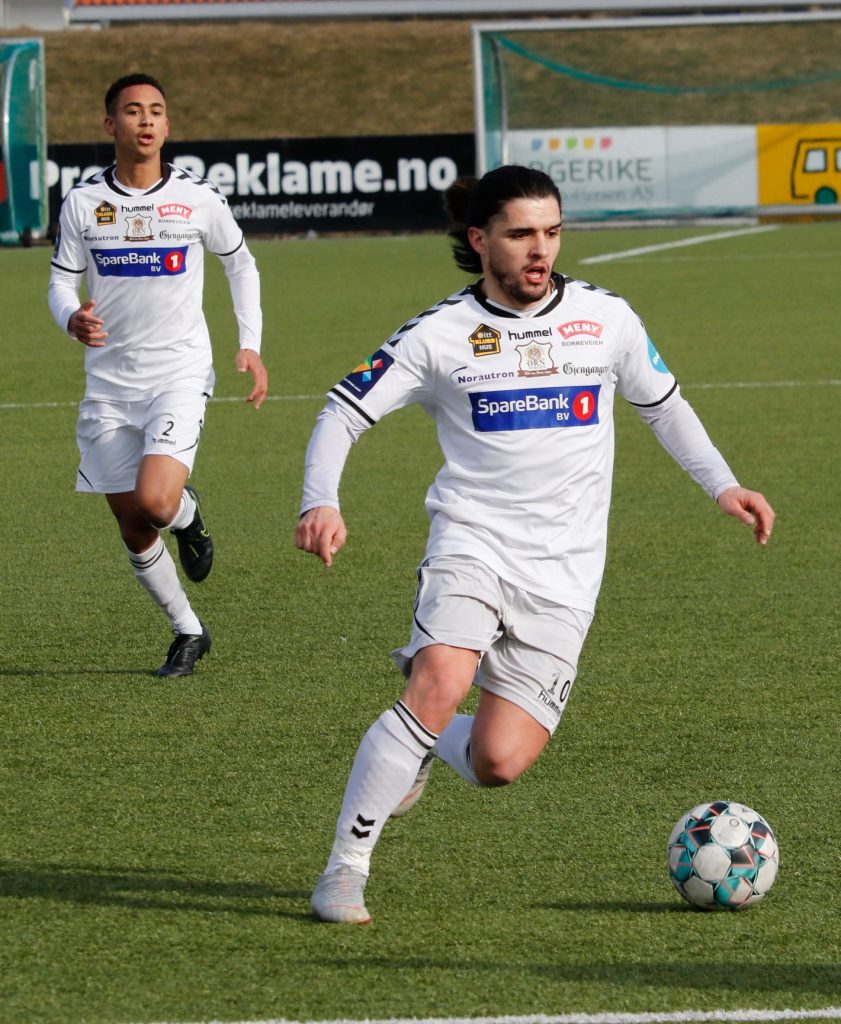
[{"x": 722, "y": 856}]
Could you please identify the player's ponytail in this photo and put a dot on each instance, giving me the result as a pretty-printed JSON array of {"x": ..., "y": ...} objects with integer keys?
[{"x": 457, "y": 201}]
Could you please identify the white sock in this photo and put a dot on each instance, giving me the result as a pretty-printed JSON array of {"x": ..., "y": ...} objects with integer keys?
[
  {"x": 453, "y": 746},
  {"x": 155, "y": 571},
  {"x": 385, "y": 767},
  {"x": 185, "y": 514}
]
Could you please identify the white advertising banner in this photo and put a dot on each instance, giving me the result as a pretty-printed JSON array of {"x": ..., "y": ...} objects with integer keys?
[{"x": 661, "y": 170}]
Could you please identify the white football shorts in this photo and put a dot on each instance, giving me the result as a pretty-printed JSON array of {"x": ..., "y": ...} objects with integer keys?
[
  {"x": 529, "y": 647},
  {"x": 113, "y": 437}
]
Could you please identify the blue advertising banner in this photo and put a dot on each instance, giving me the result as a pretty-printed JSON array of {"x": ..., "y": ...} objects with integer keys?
[{"x": 294, "y": 186}]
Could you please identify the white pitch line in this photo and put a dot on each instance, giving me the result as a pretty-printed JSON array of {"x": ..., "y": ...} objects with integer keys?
[
  {"x": 725, "y": 385},
  {"x": 712, "y": 386},
  {"x": 697, "y": 240},
  {"x": 679, "y": 1017},
  {"x": 214, "y": 400}
]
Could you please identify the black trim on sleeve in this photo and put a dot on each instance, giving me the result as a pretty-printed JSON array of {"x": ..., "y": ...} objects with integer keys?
[
  {"x": 221, "y": 255},
  {"x": 69, "y": 270},
  {"x": 650, "y": 405},
  {"x": 356, "y": 408}
]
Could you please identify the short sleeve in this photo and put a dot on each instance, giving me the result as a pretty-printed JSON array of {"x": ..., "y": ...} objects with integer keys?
[
  {"x": 69, "y": 252},
  {"x": 643, "y": 377},
  {"x": 224, "y": 236}
]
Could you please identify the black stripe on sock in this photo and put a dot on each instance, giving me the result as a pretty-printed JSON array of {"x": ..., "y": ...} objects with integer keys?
[
  {"x": 418, "y": 730},
  {"x": 133, "y": 558}
]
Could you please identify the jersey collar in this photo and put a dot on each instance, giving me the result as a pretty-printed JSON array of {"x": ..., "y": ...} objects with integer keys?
[
  {"x": 476, "y": 291},
  {"x": 111, "y": 181}
]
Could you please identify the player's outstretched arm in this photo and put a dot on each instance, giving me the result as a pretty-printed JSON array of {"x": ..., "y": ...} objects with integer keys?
[
  {"x": 249, "y": 361},
  {"x": 322, "y": 531},
  {"x": 752, "y": 508}
]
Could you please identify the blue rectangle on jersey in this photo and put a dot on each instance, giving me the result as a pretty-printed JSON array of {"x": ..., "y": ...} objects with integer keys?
[
  {"x": 360, "y": 381},
  {"x": 140, "y": 262},
  {"x": 535, "y": 408}
]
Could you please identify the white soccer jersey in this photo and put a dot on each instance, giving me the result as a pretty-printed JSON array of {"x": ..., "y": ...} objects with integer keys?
[
  {"x": 143, "y": 256},
  {"x": 524, "y": 411}
]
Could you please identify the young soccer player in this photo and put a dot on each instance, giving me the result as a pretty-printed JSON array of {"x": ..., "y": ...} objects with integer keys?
[
  {"x": 520, "y": 371},
  {"x": 136, "y": 232}
]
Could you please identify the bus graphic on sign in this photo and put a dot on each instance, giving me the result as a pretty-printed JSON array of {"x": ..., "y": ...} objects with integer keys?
[{"x": 816, "y": 171}]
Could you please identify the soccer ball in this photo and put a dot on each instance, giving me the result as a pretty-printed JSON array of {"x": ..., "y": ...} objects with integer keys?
[{"x": 722, "y": 856}]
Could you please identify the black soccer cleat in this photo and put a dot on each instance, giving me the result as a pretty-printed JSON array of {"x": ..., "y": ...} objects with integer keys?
[
  {"x": 195, "y": 545},
  {"x": 184, "y": 651}
]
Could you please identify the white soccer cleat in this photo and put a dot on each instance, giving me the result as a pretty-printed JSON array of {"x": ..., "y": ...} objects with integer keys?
[
  {"x": 418, "y": 786},
  {"x": 339, "y": 897}
]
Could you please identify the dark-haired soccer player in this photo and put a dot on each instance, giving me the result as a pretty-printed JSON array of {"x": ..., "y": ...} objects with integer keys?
[
  {"x": 136, "y": 232},
  {"x": 519, "y": 371}
]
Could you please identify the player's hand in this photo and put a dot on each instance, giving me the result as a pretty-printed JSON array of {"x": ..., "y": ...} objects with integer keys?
[
  {"x": 322, "y": 531},
  {"x": 248, "y": 361},
  {"x": 752, "y": 508},
  {"x": 86, "y": 327}
]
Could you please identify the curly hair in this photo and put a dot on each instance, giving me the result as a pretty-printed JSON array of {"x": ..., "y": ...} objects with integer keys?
[{"x": 472, "y": 202}]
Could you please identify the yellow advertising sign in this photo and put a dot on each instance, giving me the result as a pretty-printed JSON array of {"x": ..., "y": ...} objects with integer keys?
[{"x": 799, "y": 164}]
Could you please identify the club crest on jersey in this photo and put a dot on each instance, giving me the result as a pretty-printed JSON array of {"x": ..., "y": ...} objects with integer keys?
[
  {"x": 105, "y": 214},
  {"x": 485, "y": 341},
  {"x": 138, "y": 228},
  {"x": 535, "y": 359},
  {"x": 360, "y": 380}
]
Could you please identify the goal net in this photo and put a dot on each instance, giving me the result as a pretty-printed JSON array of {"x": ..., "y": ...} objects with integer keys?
[
  {"x": 23, "y": 143},
  {"x": 666, "y": 116}
]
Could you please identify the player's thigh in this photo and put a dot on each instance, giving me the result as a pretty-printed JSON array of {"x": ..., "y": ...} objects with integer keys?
[
  {"x": 160, "y": 482},
  {"x": 457, "y": 604},
  {"x": 455, "y": 618},
  {"x": 505, "y": 740},
  {"x": 110, "y": 447},
  {"x": 441, "y": 678},
  {"x": 173, "y": 423},
  {"x": 534, "y": 663}
]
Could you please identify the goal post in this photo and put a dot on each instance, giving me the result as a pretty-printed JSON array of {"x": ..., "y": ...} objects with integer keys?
[
  {"x": 666, "y": 116},
  {"x": 24, "y": 209}
]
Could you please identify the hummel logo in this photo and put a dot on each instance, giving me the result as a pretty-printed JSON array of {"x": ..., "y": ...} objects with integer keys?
[{"x": 366, "y": 824}]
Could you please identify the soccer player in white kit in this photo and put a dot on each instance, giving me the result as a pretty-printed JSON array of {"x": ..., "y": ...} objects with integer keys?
[
  {"x": 519, "y": 371},
  {"x": 137, "y": 232}
]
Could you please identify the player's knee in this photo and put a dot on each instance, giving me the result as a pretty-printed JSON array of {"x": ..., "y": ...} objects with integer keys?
[
  {"x": 434, "y": 701},
  {"x": 434, "y": 693},
  {"x": 157, "y": 508},
  {"x": 494, "y": 768}
]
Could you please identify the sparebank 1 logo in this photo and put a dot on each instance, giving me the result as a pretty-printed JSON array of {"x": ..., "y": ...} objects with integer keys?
[
  {"x": 656, "y": 358},
  {"x": 572, "y": 142}
]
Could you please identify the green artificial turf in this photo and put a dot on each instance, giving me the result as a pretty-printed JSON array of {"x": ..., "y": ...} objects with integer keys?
[{"x": 159, "y": 839}]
